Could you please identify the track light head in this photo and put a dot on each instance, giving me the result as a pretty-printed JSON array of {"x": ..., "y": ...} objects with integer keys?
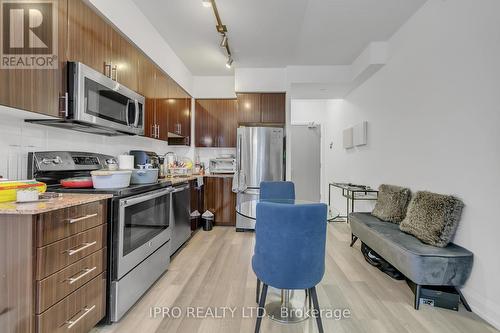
[
  {"x": 223, "y": 42},
  {"x": 229, "y": 62},
  {"x": 206, "y": 3}
]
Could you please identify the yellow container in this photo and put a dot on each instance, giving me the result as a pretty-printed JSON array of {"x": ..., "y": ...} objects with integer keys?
[{"x": 8, "y": 189}]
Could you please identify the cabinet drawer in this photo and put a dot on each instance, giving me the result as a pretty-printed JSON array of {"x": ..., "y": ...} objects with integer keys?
[
  {"x": 58, "y": 255},
  {"x": 57, "y": 286},
  {"x": 78, "y": 312},
  {"x": 59, "y": 224}
]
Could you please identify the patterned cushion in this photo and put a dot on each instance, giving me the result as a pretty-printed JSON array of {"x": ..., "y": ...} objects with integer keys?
[
  {"x": 432, "y": 218},
  {"x": 391, "y": 203}
]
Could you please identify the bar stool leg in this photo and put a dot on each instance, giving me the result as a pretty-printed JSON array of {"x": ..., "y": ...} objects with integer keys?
[{"x": 261, "y": 308}]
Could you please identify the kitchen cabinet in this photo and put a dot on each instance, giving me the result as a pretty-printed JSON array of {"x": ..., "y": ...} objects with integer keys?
[
  {"x": 272, "y": 108},
  {"x": 39, "y": 90},
  {"x": 124, "y": 61},
  {"x": 248, "y": 108},
  {"x": 216, "y": 122},
  {"x": 55, "y": 265},
  {"x": 261, "y": 108},
  {"x": 220, "y": 199},
  {"x": 89, "y": 37}
]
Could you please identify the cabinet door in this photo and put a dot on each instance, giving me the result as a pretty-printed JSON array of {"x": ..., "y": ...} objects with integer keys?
[
  {"x": 273, "y": 108},
  {"x": 206, "y": 128},
  {"x": 249, "y": 108},
  {"x": 162, "y": 103},
  {"x": 227, "y": 115},
  {"x": 89, "y": 37},
  {"x": 220, "y": 200},
  {"x": 124, "y": 60},
  {"x": 146, "y": 87},
  {"x": 38, "y": 90}
]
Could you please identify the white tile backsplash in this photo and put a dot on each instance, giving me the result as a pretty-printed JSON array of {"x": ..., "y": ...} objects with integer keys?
[{"x": 17, "y": 138}]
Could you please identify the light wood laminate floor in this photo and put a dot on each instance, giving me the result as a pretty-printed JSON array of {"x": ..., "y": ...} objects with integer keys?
[{"x": 214, "y": 270}]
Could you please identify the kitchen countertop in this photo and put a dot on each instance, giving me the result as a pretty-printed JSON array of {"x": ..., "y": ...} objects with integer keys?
[
  {"x": 178, "y": 180},
  {"x": 64, "y": 201}
]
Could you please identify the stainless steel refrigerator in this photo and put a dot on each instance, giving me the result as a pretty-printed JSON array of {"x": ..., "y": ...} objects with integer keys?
[{"x": 259, "y": 157}]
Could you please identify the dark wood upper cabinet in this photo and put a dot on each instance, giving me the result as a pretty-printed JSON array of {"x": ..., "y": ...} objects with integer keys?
[
  {"x": 272, "y": 107},
  {"x": 124, "y": 61},
  {"x": 228, "y": 122},
  {"x": 248, "y": 108},
  {"x": 216, "y": 122},
  {"x": 38, "y": 90},
  {"x": 89, "y": 37},
  {"x": 261, "y": 108},
  {"x": 206, "y": 122}
]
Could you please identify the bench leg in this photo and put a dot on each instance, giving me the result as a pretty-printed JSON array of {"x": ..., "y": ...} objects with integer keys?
[
  {"x": 353, "y": 240},
  {"x": 463, "y": 300},
  {"x": 417, "y": 296}
]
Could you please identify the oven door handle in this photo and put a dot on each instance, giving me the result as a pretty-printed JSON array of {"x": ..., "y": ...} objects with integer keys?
[
  {"x": 180, "y": 189},
  {"x": 135, "y": 200}
]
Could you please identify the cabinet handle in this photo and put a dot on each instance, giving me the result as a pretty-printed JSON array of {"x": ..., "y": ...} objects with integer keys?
[
  {"x": 153, "y": 131},
  {"x": 64, "y": 109},
  {"x": 86, "y": 311},
  {"x": 78, "y": 219},
  {"x": 114, "y": 69},
  {"x": 157, "y": 131},
  {"x": 107, "y": 69},
  {"x": 81, "y": 248},
  {"x": 86, "y": 271}
]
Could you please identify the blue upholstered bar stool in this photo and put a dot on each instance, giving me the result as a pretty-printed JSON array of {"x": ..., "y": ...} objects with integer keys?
[
  {"x": 270, "y": 190},
  {"x": 277, "y": 190},
  {"x": 289, "y": 249}
]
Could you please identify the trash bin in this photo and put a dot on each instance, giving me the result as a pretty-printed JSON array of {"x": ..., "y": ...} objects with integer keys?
[
  {"x": 208, "y": 220},
  {"x": 195, "y": 219}
]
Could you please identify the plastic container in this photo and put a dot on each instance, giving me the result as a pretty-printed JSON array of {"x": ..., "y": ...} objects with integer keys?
[
  {"x": 107, "y": 179},
  {"x": 144, "y": 176},
  {"x": 8, "y": 189}
]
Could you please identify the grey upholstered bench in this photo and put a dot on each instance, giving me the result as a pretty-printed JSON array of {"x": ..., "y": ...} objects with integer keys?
[{"x": 423, "y": 264}]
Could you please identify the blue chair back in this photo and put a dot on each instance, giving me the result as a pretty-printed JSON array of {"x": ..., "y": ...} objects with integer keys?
[
  {"x": 277, "y": 190},
  {"x": 290, "y": 244}
]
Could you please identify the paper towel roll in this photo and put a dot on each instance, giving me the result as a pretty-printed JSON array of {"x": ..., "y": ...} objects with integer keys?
[{"x": 126, "y": 162}]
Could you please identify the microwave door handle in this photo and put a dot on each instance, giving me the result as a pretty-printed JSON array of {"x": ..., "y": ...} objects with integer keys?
[
  {"x": 136, "y": 121},
  {"x": 126, "y": 112}
]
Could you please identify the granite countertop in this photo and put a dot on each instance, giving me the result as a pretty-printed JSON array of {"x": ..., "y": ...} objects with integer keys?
[
  {"x": 178, "y": 180},
  {"x": 64, "y": 201}
]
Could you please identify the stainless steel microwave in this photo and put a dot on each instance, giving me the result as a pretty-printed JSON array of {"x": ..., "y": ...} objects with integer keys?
[{"x": 96, "y": 99}]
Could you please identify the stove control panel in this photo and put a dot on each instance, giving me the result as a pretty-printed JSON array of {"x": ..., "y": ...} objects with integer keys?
[{"x": 66, "y": 161}]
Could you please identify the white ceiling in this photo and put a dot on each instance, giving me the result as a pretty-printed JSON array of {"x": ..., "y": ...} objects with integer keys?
[{"x": 275, "y": 33}]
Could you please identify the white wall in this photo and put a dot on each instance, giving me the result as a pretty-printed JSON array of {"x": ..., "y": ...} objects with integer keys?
[
  {"x": 433, "y": 117},
  {"x": 213, "y": 87},
  {"x": 260, "y": 80}
]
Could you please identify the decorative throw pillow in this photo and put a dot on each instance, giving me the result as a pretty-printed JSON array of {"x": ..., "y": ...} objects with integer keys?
[
  {"x": 391, "y": 203},
  {"x": 433, "y": 218}
]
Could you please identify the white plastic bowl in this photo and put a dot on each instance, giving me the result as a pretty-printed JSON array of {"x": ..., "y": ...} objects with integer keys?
[{"x": 107, "y": 179}]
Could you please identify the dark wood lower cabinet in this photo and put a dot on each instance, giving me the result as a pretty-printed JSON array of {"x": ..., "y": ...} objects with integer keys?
[
  {"x": 60, "y": 286},
  {"x": 220, "y": 200}
]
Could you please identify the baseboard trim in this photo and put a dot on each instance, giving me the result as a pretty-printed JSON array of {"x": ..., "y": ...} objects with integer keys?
[{"x": 484, "y": 308}]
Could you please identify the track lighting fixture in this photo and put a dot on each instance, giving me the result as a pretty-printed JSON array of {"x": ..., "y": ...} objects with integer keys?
[
  {"x": 206, "y": 3},
  {"x": 223, "y": 42},
  {"x": 229, "y": 62}
]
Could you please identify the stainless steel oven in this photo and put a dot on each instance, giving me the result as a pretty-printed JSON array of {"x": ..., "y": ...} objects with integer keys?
[
  {"x": 143, "y": 226},
  {"x": 96, "y": 99},
  {"x": 141, "y": 247}
]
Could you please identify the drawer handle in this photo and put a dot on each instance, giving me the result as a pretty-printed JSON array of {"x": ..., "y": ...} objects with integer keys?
[
  {"x": 81, "y": 248},
  {"x": 86, "y": 311},
  {"x": 78, "y": 219},
  {"x": 86, "y": 271}
]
